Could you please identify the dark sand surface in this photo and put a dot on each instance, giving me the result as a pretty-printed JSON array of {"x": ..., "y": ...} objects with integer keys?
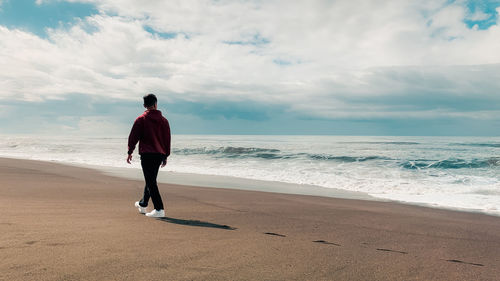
[{"x": 67, "y": 223}]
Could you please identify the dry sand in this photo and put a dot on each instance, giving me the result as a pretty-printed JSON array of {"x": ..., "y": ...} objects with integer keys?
[{"x": 67, "y": 223}]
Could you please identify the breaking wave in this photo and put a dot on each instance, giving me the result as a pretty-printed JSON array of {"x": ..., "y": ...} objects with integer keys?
[
  {"x": 269, "y": 153},
  {"x": 452, "y": 164}
]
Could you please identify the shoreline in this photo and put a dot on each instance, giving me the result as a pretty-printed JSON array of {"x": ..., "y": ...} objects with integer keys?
[
  {"x": 66, "y": 222},
  {"x": 236, "y": 183},
  {"x": 218, "y": 181},
  {"x": 229, "y": 182}
]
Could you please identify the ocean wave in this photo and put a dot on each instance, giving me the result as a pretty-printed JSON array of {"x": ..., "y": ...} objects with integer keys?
[
  {"x": 451, "y": 164},
  {"x": 385, "y": 142},
  {"x": 346, "y": 159},
  {"x": 494, "y": 145},
  {"x": 41, "y": 147},
  {"x": 487, "y": 192},
  {"x": 270, "y": 153},
  {"x": 236, "y": 152},
  {"x": 226, "y": 150}
]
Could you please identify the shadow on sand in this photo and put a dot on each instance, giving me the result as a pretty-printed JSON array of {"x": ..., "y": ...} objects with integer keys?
[{"x": 196, "y": 223}]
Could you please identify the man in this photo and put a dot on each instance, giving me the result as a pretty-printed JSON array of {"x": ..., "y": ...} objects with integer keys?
[{"x": 152, "y": 131}]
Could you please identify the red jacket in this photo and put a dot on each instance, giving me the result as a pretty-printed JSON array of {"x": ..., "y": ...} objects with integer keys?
[{"x": 152, "y": 131}]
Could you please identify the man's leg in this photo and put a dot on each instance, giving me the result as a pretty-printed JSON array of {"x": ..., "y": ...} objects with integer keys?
[
  {"x": 145, "y": 197},
  {"x": 150, "y": 166}
]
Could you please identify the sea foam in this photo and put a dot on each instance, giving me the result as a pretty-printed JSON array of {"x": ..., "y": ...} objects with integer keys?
[{"x": 450, "y": 172}]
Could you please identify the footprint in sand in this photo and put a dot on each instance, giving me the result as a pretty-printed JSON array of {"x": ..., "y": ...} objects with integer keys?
[
  {"x": 470, "y": 263},
  {"x": 393, "y": 251},
  {"x": 274, "y": 234},
  {"x": 327, "y": 243}
]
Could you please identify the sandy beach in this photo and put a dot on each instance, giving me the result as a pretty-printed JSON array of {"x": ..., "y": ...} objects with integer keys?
[{"x": 68, "y": 223}]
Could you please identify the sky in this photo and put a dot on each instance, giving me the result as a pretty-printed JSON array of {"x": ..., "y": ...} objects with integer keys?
[{"x": 332, "y": 67}]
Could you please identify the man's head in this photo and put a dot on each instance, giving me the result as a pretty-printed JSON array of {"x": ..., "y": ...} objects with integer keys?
[{"x": 149, "y": 100}]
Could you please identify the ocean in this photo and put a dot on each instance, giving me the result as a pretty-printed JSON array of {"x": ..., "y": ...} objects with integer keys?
[{"x": 447, "y": 172}]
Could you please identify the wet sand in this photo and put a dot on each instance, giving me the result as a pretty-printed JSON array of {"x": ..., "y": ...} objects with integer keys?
[{"x": 69, "y": 223}]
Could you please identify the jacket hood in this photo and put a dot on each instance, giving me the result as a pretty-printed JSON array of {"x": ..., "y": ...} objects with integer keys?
[{"x": 153, "y": 114}]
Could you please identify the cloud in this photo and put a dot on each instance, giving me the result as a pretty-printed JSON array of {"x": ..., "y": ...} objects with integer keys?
[
  {"x": 478, "y": 16},
  {"x": 317, "y": 59}
]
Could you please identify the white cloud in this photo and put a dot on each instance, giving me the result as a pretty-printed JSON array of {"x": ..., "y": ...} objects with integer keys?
[
  {"x": 478, "y": 16},
  {"x": 330, "y": 52}
]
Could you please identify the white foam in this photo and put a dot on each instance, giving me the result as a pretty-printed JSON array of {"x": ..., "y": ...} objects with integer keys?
[{"x": 383, "y": 176}]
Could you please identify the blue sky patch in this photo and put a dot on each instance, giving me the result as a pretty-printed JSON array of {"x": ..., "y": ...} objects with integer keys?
[
  {"x": 28, "y": 16},
  {"x": 482, "y": 13},
  {"x": 164, "y": 35}
]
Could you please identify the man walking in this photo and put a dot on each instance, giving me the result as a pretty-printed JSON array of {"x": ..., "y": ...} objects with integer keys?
[{"x": 152, "y": 131}]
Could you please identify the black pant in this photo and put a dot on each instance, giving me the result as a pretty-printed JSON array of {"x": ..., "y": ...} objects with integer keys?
[{"x": 150, "y": 165}]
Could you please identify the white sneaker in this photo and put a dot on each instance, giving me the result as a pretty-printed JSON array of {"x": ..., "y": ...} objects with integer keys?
[
  {"x": 141, "y": 209},
  {"x": 156, "y": 214}
]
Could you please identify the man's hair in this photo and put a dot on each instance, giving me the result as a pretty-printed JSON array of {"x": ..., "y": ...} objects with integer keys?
[{"x": 149, "y": 100}]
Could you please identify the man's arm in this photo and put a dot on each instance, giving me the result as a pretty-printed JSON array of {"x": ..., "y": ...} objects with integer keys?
[
  {"x": 133, "y": 138},
  {"x": 167, "y": 140}
]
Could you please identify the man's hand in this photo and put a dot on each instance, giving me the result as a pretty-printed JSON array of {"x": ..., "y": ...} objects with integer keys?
[
  {"x": 129, "y": 158},
  {"x": 164, "y": 163}
]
